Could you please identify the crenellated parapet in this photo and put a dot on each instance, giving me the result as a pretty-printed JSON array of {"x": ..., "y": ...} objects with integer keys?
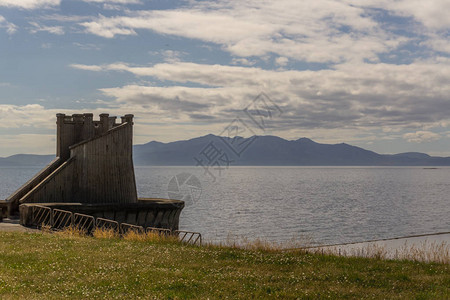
[{"x": 76, "y": 128}]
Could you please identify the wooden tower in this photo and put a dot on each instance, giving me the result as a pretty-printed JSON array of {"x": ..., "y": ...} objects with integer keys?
[{"x": 93, "y": 164}]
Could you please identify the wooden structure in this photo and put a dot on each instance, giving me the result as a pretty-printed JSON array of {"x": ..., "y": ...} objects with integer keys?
[{"x": 93, "y": 166}]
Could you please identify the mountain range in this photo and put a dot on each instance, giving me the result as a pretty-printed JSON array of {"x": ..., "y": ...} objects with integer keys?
[{"x": 253, "y": 151}]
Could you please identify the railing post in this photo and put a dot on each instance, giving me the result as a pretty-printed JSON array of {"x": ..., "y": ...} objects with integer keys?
[{"x": 51, "y": 218}]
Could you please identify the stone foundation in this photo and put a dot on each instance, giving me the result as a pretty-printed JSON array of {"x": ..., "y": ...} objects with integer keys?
[{"x": 148, "y": 212}]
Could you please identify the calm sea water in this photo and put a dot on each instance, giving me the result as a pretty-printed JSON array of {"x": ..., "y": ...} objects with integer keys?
[{"x": 327, "y": 204}]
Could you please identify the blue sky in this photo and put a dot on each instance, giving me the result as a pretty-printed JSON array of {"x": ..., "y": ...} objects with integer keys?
[{"x": 372, "y": 73}]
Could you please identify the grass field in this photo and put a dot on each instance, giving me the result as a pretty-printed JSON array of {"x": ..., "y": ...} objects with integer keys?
[{"x": 55, "y": 266}]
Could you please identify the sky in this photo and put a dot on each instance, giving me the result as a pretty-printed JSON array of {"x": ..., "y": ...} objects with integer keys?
[{"x": 374, "y": 73}]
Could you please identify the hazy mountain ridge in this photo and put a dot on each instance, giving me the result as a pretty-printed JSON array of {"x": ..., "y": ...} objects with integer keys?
[
  {"x": 254, "y": 151},
  {"x": 26, "y": 160},
  {"x": 272, "y": 151}
]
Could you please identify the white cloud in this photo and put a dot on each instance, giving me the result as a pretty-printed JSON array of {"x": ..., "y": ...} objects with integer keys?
[
  {"x": 32, "y": 115},
  {"x": 311, "y": 31},
  {"x": 64, "y": 18},
  {"x": 86, "y": 68},
  {"x": 432, "y": 13},
  {"x": 87, "y": 46},
  {"x": 30, "y": 4},
  {"x": 115, "y": 1},
  {"x": 438, "y": 44},
  {"x": 117, "y": 5},
  {"x": 28, "y": 144},
  {"x": 282, "y": 61},
  {"x": 105, "y": 30},
  {"x": 10, "y": 27},
  {"x": 182, "y": 72},
  {"x": 58, "y": 30},
  {"x": 108, "y": 6},
  {"x": 173, "y": 55},
  {"x": 420, "y": 79},
  {"x": 351, "y": 95},
  {"x": 421, "y": 137},
  {"x": 323, "y": 31},
  {"x": 242, "y": 61}
]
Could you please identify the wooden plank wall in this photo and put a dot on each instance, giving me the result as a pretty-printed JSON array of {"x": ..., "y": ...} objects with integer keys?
[
  {"x": 57, "y": 187},
  {"x": 104, "y": 171}
]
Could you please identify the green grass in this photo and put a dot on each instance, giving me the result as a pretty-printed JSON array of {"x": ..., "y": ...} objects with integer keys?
[{"x": 50, "y": 266}]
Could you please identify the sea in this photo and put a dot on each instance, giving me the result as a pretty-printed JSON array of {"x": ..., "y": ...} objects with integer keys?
[{"x": 321, "y": 205}]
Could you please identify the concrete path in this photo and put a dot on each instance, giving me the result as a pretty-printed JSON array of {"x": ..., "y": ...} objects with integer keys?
[{"x": 12, "y": 225}]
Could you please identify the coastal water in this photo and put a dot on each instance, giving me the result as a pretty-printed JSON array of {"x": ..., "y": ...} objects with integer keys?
[{"x": 325, "y": 204}]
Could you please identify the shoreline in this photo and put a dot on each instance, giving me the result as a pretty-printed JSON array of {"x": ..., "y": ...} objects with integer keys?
[{"x": 424, "y": 247}]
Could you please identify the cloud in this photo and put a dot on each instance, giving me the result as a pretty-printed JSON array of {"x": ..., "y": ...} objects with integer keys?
[
  {"x": 359, "y": 96},
  {"x": 10, "y": 27},
  {"x": 39, "y": 143},
  {"x": 438, "y": 43},
  {"x": 421, "y": 137},
  {"x": 46, "y": 45},
  {"x": 117, "y": 5},
  {"x": 242, "y": 61},
  {"x": 429, "y": 19},
  {"x": 105, "y": 30},
  {"x": 173, "y": 55},
  {"x": 115, "y": 1},
  {"x": 171, "y": 100},
  {"x": 433, "y": 14},
  {"x": 87, "y": 46},
  {"x": 108, "y": 6},
  {"x": 32, "y": 115},
  {"x": 281, "y": 61},
  {"x": 58, "y": 30},
  {"x": 64, "y": 18},
  {"x": 322, "y": 31},
  {"x": 184, "y": 72},
  {"x": 30, "y": 4},
  {"x": 86, "y": 68}
]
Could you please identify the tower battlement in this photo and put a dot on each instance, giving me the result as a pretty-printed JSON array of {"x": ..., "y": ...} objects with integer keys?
[{"x": 77, "y": 128}]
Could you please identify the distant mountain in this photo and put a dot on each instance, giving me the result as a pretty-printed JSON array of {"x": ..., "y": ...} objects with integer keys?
[
  {"x": 26, "y": 160},
  {"x": 272, "y": 151},
  {"x": 253, "y": 151}
]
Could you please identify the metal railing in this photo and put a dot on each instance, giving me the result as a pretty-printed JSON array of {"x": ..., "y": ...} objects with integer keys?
[
  {"x": 83, "y": 222},
  {"x": 159, "y": 231},
  {"x": 41, "y": 216},
  {"x": 61, "y": 219},
  {"x": 107, "y": 224},
  {"x": 189, "y": 237},
  {"x": 127, "y": 228},
  {"x": 58, "y": 219}
]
